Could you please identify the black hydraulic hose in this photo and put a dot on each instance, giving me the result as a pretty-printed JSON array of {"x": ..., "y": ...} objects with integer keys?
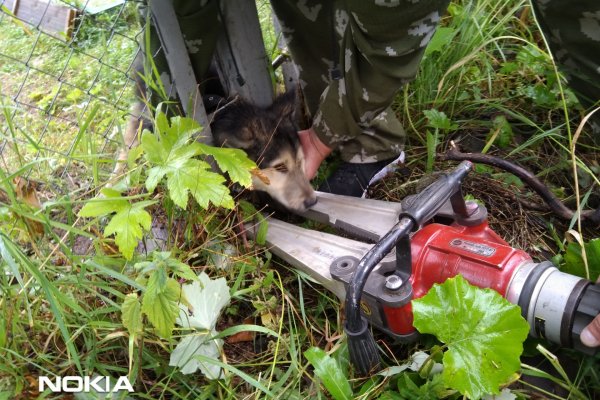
[
  {"x": 354, "y": 322},
  {"x": 553, "y": 202}
]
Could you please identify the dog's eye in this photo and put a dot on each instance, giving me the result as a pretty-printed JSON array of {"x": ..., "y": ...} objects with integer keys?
[{"x": 281, "y": 168}]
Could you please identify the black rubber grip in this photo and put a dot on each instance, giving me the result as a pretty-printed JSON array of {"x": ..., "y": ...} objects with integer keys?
[
  {"x": 364, "y": 354},
  {"x": 424, "y": 205}
]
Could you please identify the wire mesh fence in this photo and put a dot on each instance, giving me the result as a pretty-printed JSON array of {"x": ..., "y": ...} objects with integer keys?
[
  {"x": 65, "y": 95},
  {"x": 67, "y": 84}
]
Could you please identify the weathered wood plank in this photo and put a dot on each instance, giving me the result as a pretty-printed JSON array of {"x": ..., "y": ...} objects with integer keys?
[
  {"x": 247, "y": 51},
  {"x": 180, "y": 66},
  {"x": 54, "y": 19}
]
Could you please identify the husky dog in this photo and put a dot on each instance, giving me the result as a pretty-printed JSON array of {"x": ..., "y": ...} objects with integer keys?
[{"x": 269, "y": 136}]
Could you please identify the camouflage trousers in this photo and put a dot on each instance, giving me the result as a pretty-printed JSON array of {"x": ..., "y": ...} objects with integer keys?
[
  {"x": 373, "y": 48},
  {"x": 353, "y": 56},
  {"x": 572, "y": 29}
]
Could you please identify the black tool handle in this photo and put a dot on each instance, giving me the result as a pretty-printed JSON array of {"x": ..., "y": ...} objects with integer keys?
[{"x": 424, "y": 205}]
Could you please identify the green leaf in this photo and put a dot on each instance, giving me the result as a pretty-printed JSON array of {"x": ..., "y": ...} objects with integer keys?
[
  {"x": 162, "y": 260},
  {"x": 171, "y": 156},
  {"x": 233, "y": 161},
  {"x": 133, "y": 155},
  {"x": 131, "y": 314},
  {"x": 154, "y": 151},
  {"x": 508, "y": 179},
  {"x": 431, "y": 389},
  {"x": 158, "y": 146},
  {"x": 484, "y": 169},
  {"x": 182, "y": 129},
  {"x": 109, "y": 203},
  {"x": 330, "y": 373},
  {"x": 540, "y": 94},
  {"x": 205, "y": 186},
  {"x": 127, "y": 224},
  {"x": 155, "y": 175},
  {"x": 440, "y": 40},
  {"x": 181, "y": 270},
  {"x": 160, "y": 302},
  {"x": 573, "y": 260},
  {"x": 509, "y": 68},
  {"x": 503, "y": 131},
  {"x": 439, "y": 120},
  {"x": 483, "y": 331}
]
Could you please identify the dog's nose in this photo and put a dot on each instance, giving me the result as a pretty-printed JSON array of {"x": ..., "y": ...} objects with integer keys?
[{"x": 311, "y": 201}]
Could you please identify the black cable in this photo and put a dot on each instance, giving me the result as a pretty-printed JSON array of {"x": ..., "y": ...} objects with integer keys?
[{"x": 555, "y": 204}]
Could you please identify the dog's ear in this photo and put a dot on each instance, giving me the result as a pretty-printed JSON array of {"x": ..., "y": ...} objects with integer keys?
[{"x": 284, "y": 105}]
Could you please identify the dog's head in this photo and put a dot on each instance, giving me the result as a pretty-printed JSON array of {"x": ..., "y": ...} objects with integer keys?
[{"x": 270, "y": 138}]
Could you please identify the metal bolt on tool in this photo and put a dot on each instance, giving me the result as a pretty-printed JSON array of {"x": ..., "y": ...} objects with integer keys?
[
  {"x": 471, "y": 206},
  {"x": 393, "y": 282}
]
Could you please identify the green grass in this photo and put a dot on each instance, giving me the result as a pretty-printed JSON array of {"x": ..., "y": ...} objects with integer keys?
[{"x": 63, "y": 283}]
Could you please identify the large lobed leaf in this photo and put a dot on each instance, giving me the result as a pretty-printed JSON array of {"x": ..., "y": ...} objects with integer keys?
[
  {"x": 205, "y": 186},
  {"x": 128, "y": 226},
  {"x": 197, "y": 344},
  {"x": 483, "y": 331},
  {"x": 233, "y": 161},
  {"x": 128, "y": 223},
  {"x": 172, "y": 156},
  {"x": 439, "y": 120},
  {"x": 160, "y": 302},
  {"x": 206, "y": 299}
]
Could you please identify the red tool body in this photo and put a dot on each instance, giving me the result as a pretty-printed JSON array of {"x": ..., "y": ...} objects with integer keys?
[{"x": 440, "y": 252}]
